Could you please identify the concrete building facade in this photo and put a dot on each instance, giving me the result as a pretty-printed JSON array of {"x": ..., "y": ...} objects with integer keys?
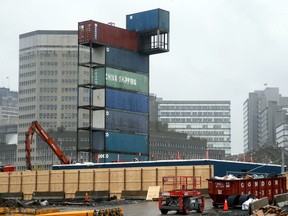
[
  {"x": 262, "y": 115},
  {"x": 8, "y": 106},
  {"x": 209, "y": 120},
  {"x": 48, "y": 81}
]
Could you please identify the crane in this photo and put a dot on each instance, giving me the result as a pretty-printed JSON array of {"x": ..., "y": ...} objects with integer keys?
[{"x": 36, "y": 127}]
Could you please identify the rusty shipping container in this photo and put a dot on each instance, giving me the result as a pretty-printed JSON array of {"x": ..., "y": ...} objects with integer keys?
[{"x": 104, "y": 34}]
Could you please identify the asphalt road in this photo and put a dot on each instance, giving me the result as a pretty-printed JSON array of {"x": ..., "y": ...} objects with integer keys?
[
  {"x": 142, "y": 207},
  {"x": 151, "y": 209}
]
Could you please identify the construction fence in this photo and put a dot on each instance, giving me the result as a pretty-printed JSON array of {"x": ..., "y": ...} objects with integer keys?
[{"x": 114, "y": 180}]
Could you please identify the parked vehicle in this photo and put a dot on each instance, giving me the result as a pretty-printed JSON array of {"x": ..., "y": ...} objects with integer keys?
[
  {"x": 237, "y": 191},
  {"x": 179, "y": 193}
]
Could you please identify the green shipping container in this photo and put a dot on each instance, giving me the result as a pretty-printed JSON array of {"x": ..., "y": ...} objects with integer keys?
[{"x": 121, "y": 79}]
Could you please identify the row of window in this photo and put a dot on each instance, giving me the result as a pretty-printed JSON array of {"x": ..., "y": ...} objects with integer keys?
[
  {"x": 27, "y": 74},
  {"x": 69, "y": 98},
  {"x": 48, "y": 115},
  {"x": 48, "y": 63},
  {"x": 178, "y": 145},
  {"x": 28, "y": 91},
  {"x": 69, "y": 81},
  {"x": 25, "y": 66},
  {"x": 68, "y": 107},
  {"x": 193, "y": 107},
  {"x": 27, "y": 108},
  {"x": 48, "y": 107},
  {"x": 48, "y": 72},
  {"x": 48, "y": 98},
  {"x": 27, "y": 116},
  {"x": 217, "y": 139},
  {"x": 27, "y": 83},
  {"x": 197, "y": 120},
  {"x": 65, "y": 64},
  {"x": 69, "y": 72},
  {"x": 204, "y": 133},
  {"x": 48, "y": 81},
  {"x": 47, "y": 53},
  {"x": 69, "y": 90},
  {"x": 195, "y": 113},
  {"x": 27, "y": 100},
  {"x": 27, "y": 56},
  {"x": 70, "y": 54},
  {"x": 68, "y": 115},
  {"x": 48, "y": 90}
]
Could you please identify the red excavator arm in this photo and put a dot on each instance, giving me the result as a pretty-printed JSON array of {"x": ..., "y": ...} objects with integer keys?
[{"x": 36, "y": 127}]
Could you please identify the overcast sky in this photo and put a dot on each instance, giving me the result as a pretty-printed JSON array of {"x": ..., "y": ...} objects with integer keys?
[{"x": 219, "y": 50}]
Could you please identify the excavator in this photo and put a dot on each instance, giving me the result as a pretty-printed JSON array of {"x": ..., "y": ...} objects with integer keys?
[{"x": 36, "y": 127}]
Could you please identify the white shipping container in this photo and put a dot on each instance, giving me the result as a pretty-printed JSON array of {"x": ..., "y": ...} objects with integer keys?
[
  {"x": 98, "y": 119},
  {"x": 98, "y": 55},
  {"x": 99, "y": 98}
]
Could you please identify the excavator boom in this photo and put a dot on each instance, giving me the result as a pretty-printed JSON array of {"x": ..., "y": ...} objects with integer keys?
[{"x": 36, "y": 127}]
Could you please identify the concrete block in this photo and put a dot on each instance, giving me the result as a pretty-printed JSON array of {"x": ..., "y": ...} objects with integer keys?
[
  {"x": 12, "y": 195},
  {"x": 257, "y": 204},
  {"x": 134, "y": 194},
  {"x": 48, "y": 195},
  {"x": 281, "y": 200}
]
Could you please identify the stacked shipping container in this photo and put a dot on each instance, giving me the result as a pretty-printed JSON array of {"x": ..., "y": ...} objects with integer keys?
[{"x": 118, "y": 86}]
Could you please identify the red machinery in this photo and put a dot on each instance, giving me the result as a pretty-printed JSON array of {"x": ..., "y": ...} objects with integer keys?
[
  {"x": 238, "y": 191},
  {"x": 179, "y": 193},
  {"x": 36, "y": 127}
]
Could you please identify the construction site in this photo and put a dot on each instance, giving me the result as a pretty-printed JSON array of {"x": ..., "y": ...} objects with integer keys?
[{"x": 116, "y": 106}]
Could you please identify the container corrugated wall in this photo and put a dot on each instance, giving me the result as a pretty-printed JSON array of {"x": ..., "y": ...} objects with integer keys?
[
  {"x": 125, "y": 142},
  {"x": 128, "y": 145},
  {"x": 118, "y": 58},
  {"x": 121, "y": 79},
  {"x": 126, "y": 60},
  {"x": 126, "y": 101},
  {"x": 148, "y": 20},
  {"x": 113, "y": 157},
  {"x": 92, "y": 31},
  {"x": 126, "y": 121}
]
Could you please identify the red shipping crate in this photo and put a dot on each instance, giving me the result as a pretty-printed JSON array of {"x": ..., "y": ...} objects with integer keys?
[{"x": 104, "y": 34}]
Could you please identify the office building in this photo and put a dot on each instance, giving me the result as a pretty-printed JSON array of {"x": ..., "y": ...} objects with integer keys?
[
  {"x": 48, "y": 81},
  {"x": 209, "y": 120},
  {"x": 263, "y": 113},
  {"x": 8, "y": 106}
]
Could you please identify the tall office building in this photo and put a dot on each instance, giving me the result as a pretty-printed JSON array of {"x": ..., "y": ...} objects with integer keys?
[
  {"x": 8, "y": 106},
  {"x": 210, "y": 120},
  {"x": 48, "y": 81},
  {"x": 260, "y": 117}
]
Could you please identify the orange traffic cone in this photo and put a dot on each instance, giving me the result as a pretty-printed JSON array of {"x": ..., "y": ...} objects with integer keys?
[
  {"x": 86, "y": 197},
  {"x": 225, "y": 208}
]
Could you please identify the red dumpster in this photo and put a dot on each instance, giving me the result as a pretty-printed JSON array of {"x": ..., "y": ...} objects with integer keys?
[{"x": 238, "y": 191}]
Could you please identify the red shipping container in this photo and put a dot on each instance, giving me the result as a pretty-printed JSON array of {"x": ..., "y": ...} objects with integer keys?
[{"x": 104, "y": 34}]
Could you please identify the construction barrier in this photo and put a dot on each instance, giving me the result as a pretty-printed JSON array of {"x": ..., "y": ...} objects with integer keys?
[{"x": 114, "y": 180}]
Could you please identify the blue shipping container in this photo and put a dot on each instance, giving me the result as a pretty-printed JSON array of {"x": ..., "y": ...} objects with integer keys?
[
  {"x": 113, "y": 157},
  {"x": 148, "y": 21},
  {"x": 127, "y": 121},
  {"x": 128, "y": 143},
  {"x": 122, "y": 100},
  {"x": 127, "y": 60},
  {"x": 98, "y": 140}
]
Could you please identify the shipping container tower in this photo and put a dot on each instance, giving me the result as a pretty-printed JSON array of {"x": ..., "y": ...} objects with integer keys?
[{"x": 116, "y": 92}]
